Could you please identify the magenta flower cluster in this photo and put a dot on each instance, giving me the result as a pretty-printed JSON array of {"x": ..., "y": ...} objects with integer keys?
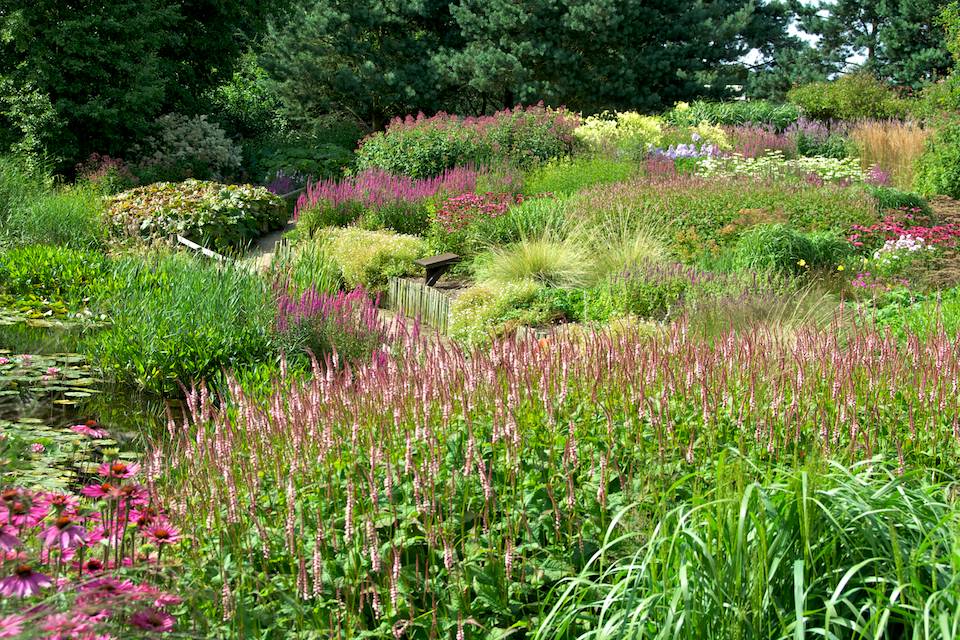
[
  {"x": 375, "y": 187},
  {"x": 458, "y": 212},
  {"x": 82, "y": 547},
  {"x": 558, "y": 120},
  {"x": 902, "y": 224},
  {"x": 753, "y": 140},
  {"x": 353, "y": 312}
]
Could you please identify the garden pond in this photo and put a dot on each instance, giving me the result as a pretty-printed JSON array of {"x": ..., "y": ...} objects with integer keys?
[{"x": 58, "y": 420}]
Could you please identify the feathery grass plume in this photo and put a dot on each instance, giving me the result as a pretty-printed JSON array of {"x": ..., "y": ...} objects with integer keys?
[
  {"x": 617, "y": 244},
  {"x": 892, "y": 145},
  {"x": 547, "y": 261}
]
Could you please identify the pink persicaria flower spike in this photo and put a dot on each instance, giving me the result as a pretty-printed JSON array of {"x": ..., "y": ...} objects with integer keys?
[
  {"x": 64, "y": 533},
  {"x": 24, "y": 582},
  {"x": 119, "y": 469},
  {"x": 152, "y": 620},
  {"x": 11, "y": 626},
  {"x": 161, "y": 534}
]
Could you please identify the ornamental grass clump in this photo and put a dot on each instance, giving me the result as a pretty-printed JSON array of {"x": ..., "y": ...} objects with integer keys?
[
  {"x": 864, "y": 552},
  {"x": 430, "y": 489}
]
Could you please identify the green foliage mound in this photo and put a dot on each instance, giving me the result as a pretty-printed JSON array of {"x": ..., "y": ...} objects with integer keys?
[
  {"x": 851, "y": 97},
  {"x": 215, "y": 215},
  {"x": 781, "y": 248},
  {"x": 938, "y": 169},
  {"x": 779, "y": 116},
  {"x": 370, "y": 258}
]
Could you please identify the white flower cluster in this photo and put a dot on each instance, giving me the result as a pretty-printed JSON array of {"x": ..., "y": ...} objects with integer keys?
[
  {"x": 773, "y": 164},
  {"x": 183, "y": 139},
  {"x": 904, "y": 244}
]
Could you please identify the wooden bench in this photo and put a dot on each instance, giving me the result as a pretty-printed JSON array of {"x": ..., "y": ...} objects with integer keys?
[{"x": 436, "y": 266}]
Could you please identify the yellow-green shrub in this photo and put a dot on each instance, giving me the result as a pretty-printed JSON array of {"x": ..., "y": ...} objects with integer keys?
[{"x": 370, "y": 258}]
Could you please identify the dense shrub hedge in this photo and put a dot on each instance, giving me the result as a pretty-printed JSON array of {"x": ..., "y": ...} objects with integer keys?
[
  {"x": 423, "y": 147},
  {"x": 851, "y": 97}
]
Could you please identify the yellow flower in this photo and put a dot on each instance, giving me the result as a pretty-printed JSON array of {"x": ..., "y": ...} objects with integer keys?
[
  {"x": 839, "y": 267},
  {"x": 801, "y": 262}
]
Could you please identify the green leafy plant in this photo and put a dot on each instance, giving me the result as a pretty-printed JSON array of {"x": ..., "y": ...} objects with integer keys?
[
  {"x": 780, "y": 116},
  {"x": 851, "y": 97},
  {"x": 569, "y": 176},
  {"x": 54, "y": 273},
  {"x": 176, "y": 319},
  {"x": 938, "y": 168},
  {"x": 217, "y": 215}
]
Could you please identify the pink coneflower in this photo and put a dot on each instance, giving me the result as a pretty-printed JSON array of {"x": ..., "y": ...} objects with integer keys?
[
  {"x": 61, "y": 502},
  {"x": 23, "y": 513},
  {"x": 135, "y": 494},
  {"x": 103, "y": 490},
  {"x": 118, "y": 469},
  {"x": 144, "y": 517},
  {"x": 161, "y": 534},
  {"x": 63, "y": 625},
  {"x": 24, "y": 582},
  {"x": 11, "y": 626},
  {"x": 8, "y": 539},
  {"x": 64, "y": 533},
  {"x": 107, "y": 589},
  {"x": 87, "y": 430},
  {"x": 93, "y": 566},
  {"x": 152, "y": 620},
  {"x": 167, "y": 600}
]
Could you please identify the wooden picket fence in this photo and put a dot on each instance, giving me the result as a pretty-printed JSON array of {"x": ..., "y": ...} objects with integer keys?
[{"x": 415, "y": 299}]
